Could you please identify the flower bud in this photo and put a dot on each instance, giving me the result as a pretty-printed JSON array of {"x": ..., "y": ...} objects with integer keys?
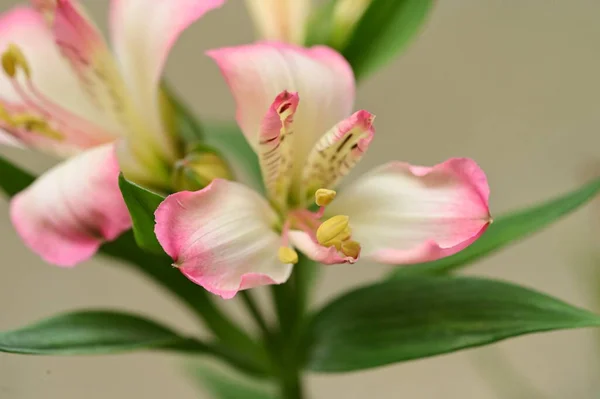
[{"x": 198, "y": 169}]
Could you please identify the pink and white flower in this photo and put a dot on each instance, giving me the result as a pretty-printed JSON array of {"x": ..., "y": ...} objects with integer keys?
[
  {"x": 293, "y": 106},
  {"x": 64, "y": 93}
]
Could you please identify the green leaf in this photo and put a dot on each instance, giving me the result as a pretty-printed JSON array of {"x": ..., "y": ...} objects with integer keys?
[
  {"x": 93, "y": 332},
  {"x": 417, "y": 317},
  {"x": 228, "y": 384},
  {"x": 12, "y": 178},
  {"x": 142, "y": 203},
  {"x": 506, "y": 230},
  {"x": 231, "y": 143},
  {"x": 385, "y": 29}
]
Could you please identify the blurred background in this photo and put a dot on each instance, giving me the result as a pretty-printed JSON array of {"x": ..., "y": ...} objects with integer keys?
[{"x": 513, "y": 84}]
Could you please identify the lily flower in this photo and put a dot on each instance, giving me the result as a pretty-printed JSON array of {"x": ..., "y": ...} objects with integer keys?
[
  {"x": 63, "y": 92},
  {"x": 280, "y": 20},
  {"x": 293, "y": 106}
]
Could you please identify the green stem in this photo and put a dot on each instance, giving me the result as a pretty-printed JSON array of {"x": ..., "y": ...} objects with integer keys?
[
  {"x": 255, "y": 312},
  {"x": 197, "y": 299}
]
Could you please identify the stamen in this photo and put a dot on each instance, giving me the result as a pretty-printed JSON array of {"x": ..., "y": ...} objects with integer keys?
[
  {"x": 333, "y": 231},
  {"x": 323, "y": 196},
  {"x": 351, "y": 248},
  {"x": 287, "y": 255},
  {"x": 13, "y": 59}
]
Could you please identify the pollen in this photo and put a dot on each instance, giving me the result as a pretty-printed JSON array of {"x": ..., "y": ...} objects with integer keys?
[
  {"x": 323, "y": 196},
  {"x": 287, "y": 255},
  {"x": 13, "y": 59}
]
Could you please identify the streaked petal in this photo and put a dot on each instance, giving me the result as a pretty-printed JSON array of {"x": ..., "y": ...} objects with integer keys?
[
  {"x": 326, "y": 255},
  {"x": 68, "y": 212},
  {"x": 404, "y": 214},
  {"x": 281, "y": 20},
  {"x": 83, "y": 46},
  {"x": 257, "y": 73},
  {"x": 142, "y": 34},
  {"x": 337, "y": 152},
  {"x": 275, "y": 147},
  {"x": 222, "y": 237},
  {"x": 58, "y": 97}
]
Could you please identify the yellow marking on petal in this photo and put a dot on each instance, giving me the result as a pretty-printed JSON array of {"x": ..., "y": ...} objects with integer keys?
[
  {"x": 333, "y": 231},
  {"x": 351, "y": 248},
  {"x": 323, "y": 196},
  {"x": 30, "y": 123},
  {"x": 13, "y": 59},
  {"x": 287, "y": 255}
]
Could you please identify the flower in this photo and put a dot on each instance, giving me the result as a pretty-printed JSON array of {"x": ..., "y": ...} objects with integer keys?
[
  {"x": 63, "y": 93},
  {"x": 282, "y": 20},
  {"x": 226, "y": 237}
]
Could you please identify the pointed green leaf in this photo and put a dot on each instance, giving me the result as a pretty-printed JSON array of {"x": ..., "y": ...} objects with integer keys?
[
  {"x": 12, "y": 178},
  {"x": 142, "y": 204},
  {"x": 506, "y": 230},
  {"x": 385, "y": 29},
  {"x": 93, "y": 332},
  {"x": 417, "y": 317}
]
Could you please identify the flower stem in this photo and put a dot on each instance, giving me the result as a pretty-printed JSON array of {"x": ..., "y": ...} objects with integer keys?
[{"x": 255, "y": 312}]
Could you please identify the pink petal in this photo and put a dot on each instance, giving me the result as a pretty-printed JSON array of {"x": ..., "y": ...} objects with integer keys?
[
  {"x": 404, "y": 214},
  {"x": 257, "y": 73},
  {"x": 68, "y": 212},
  {"x": 309, "y": 247},
  {"x": 81, "y": 123},
  {"x": 282, "y": 20},
  {"x": 142, "y": 33},
  {"x": 222, "y": 238}
]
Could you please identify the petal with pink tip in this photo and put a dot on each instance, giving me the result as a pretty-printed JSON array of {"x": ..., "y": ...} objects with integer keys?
[
  {"x": 222, "y": 238},
  {"x": 83, "y": 46},
  {"x": 57, "y": 97},
  {"x": 281, "y": 20},
  {"x": 142, "y": 33},
  {"x": 309, "y": 247},
  {"x": 338, "y": 151},
  {"x": 257, "y": 73},
  {"x": 68, "y": 212},
  {"x": 402, "y": 214}
]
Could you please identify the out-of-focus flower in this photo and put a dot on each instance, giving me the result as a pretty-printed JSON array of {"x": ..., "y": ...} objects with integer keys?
[
  {"x": 64, "y": 93},
  {"x": 281, "y": 20},
  {"x": 290, "y": 102}
]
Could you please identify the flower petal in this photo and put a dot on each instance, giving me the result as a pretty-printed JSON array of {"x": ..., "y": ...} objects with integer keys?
[
  {"x": 257, "y": 73},
  {"x": 316, "y": 252},
  {"x": 404, "y": 214},
  {"x": 337, "y": 152},
  {"x": 281, "y": 20},
  {"x": 222, "y": 237},
  {"x": 83, "y": 46},
  {"x": 275, "y": 147},
  {"x": 58, "y": 99},
  {"x": 142, "y": 33},
  {"x": 68, "y": 212}
]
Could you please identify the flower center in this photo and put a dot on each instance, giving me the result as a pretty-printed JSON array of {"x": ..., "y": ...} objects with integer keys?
[
  {"x": 334, "y": 232},
  {"x": 37, "y": 113}
]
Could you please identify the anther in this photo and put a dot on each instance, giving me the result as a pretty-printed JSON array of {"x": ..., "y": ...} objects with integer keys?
[
  {"x": 287, "y": 255},
  {"x": 351, "y": 248},
  {"x": 323, "y": 196},
  {"x": 14, "y": 59},
  {"x": 333, "y": 231}
]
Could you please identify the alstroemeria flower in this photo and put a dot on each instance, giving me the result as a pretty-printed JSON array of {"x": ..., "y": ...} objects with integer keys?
[
  {"x": 291, "y": 105},
  {"x": 64, "y": 93},
  {"x": 281, "y": 20}
]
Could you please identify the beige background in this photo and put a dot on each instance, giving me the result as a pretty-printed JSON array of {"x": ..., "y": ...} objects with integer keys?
[{"x": 512, "y": 83}]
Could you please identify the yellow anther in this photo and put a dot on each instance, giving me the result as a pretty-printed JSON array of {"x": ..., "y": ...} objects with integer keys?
[
  {"x": 13, "y": 59},
  {"x": 323, "y": 196},
  {"x": 351, "y": 248},
  {"x": 34, "y": 124},
  {"x": 333, "y": 231},
  {"x": 287, "y": 255}
]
